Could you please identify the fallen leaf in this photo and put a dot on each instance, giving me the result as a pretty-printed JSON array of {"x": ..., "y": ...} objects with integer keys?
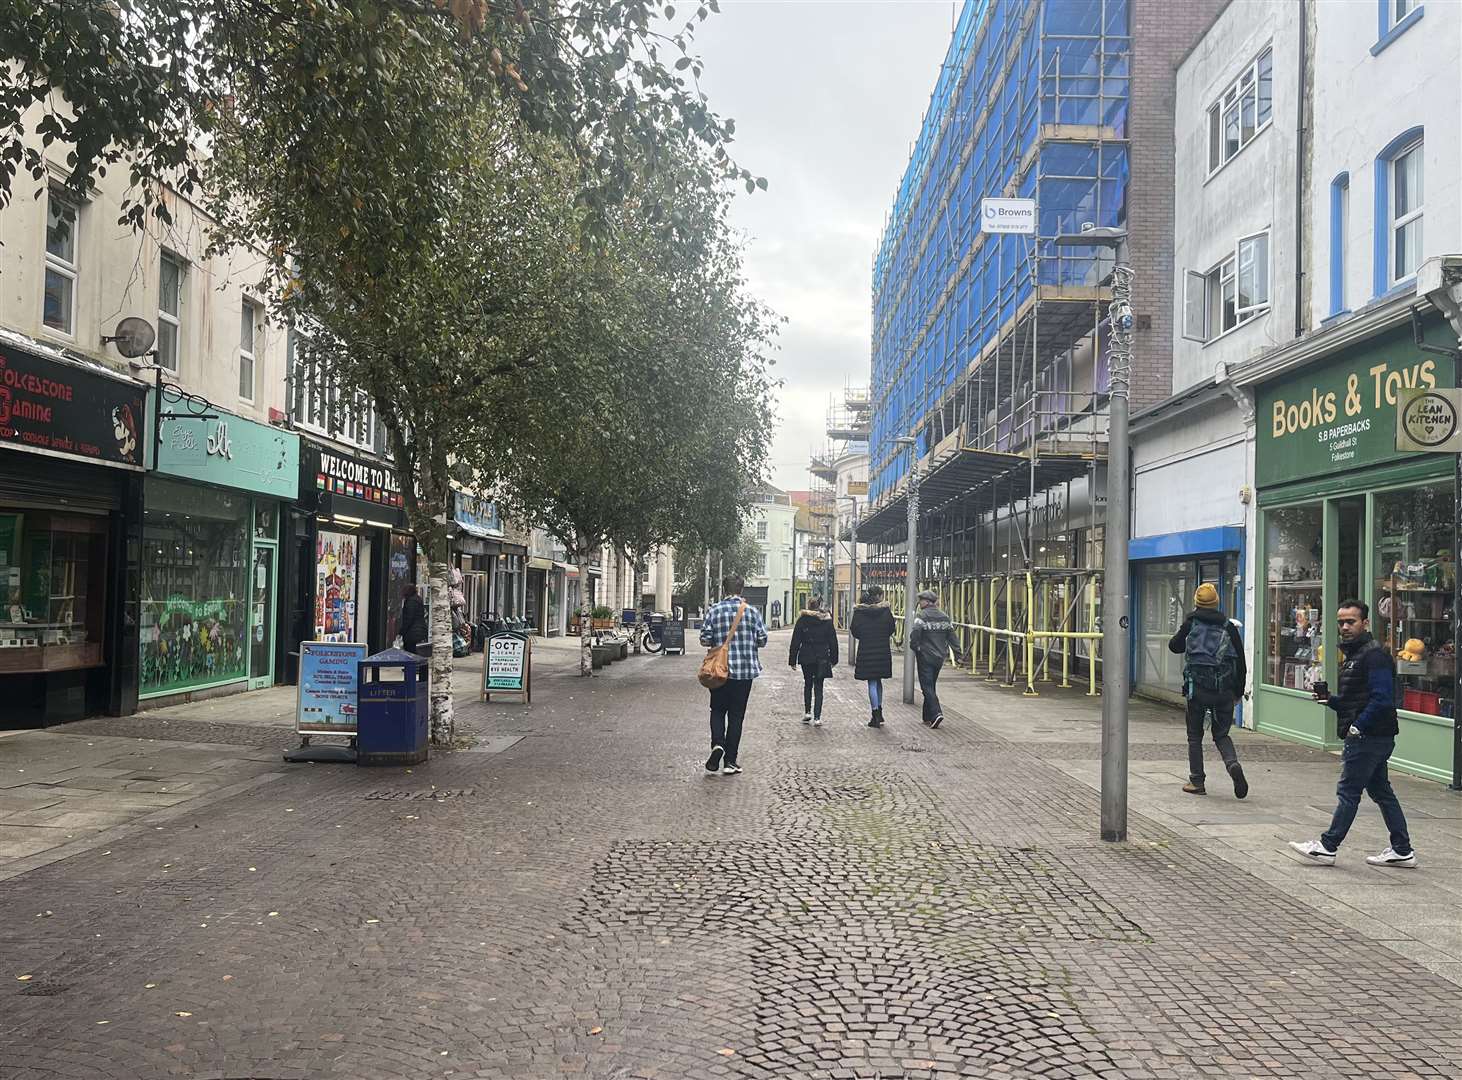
[
  {"x": 24, "y": 978},
  {"x": 726, "y": 1051},
  {"x": 149, "y": 986},
  {"x": 596, "y": 1031},
  {"x": 182, "y": 1014},
  {"x": 226, "y": 978}
]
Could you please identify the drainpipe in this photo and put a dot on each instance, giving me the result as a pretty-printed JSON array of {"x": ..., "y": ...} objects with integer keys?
[
  {"x": 1301, "y": 137},
  {"x": 1245, "y": 404}
]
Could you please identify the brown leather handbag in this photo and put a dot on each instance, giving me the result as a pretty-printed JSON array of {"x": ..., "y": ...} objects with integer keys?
[{"x": 716, "y": 667}]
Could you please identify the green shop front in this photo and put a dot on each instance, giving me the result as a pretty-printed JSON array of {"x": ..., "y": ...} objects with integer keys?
[
  {"x": 1343, "y": 514},
  {"x": 211, "y": 518}
]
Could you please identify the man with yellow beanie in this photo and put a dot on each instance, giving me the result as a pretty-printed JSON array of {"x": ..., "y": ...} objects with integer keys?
[{"x": 1214, "y": 674}]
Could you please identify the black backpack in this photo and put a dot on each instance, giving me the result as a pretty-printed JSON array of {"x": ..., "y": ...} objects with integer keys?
[{"x": 1208, "y": 659}]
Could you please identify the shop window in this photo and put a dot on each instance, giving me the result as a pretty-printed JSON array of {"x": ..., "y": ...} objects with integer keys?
[
  {"x": 52, "y": 580},
  {"x": 1294, "y": 623},
  {"x": 59, "y": 303},
  {"x": 1411, "y": 614},
  {"x": 336, "y": 569},
  {"x": 195, "y": 600}
]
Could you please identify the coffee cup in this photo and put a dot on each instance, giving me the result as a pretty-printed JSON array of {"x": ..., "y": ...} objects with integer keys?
[{"x": 1321, "y": 689}]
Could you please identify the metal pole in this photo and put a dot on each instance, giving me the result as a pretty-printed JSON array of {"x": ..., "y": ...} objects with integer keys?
[
  {"x": 1116, "y": 594},
  {"x": 853, "y": 586},
  {"x": 911, "y": 574}
]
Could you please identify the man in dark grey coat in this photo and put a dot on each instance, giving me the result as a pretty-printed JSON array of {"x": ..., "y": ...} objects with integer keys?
[{"x": 933, "y": 640}]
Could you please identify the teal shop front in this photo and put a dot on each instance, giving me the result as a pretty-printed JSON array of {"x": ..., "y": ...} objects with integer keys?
[
  {"x": 1343, "y": 515},
  {"x": 211, "y": 512}
]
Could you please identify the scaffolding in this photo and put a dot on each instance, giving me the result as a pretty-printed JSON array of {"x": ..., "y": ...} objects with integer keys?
[{"x": 992, "y": 350}]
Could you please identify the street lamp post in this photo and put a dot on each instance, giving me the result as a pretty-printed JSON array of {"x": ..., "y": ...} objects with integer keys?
[
  {"x": 911, "y": 575},
  {"x": 852, "y": 578},
  {"x": 1116, "y": 590}
]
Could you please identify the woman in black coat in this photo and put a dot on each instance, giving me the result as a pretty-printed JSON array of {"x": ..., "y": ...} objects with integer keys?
[
  {"x": 413, "y": 619},
  {"x": 873, "y": 628},
  {"x": 815, "y": 647}
]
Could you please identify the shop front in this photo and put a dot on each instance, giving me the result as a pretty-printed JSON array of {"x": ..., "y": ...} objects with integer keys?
[
  {"x": 1344, "y": 515},
  {"x": 352, "y": 550},
  {"x": 71, "y": 463},
  {"x": 476, "y": 544},
  {"x": 210, "y": 555}
]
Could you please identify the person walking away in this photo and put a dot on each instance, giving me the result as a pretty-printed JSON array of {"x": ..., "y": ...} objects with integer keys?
[
  {"x": 728, "y": 701},
  {"x": 1214, "y": 674},
  {"x": 815, "y": 648},
  {"x": 1365, "y": 711},
  {"x": 872, "y": 627},
  {"x": 413, "y": 619},
  {"x": 933, "y": 641}
]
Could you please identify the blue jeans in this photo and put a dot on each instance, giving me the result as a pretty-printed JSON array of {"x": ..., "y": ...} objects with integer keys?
[
  {"x": 875, "y": 693},
  {"x": 1363, "y": 768}
]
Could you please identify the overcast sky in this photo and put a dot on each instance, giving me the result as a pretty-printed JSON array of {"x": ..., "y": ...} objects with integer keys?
[{"x": 827, "y": 96}]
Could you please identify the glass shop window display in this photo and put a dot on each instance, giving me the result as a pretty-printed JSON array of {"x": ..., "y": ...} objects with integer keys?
[
  {"x": 52, "y": 587},
  {"x": 1411, "y": 614},
  {"x": 1294, "y": 645}
]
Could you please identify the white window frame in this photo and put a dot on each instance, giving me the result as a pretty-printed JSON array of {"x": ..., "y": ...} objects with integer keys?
[
  {"x": 1397, "y": 14},
  {"x": 1203, "y": 292},
  {"x": 1397, "y": 223},
  {"x": 247, "y": 355},
  {"x": 762, "y": 529},
  {"x": 1230, "y": 107},
  {"x": 320, "y": 406},
  {"x": 56, "y": 264},
  {"x": 173, "y": 319}
]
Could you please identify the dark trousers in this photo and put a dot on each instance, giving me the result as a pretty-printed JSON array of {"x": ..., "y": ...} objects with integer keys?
[
  {"x": 1223, "y": 720},
  {"x": 1363, "y": 768},
  {"x": 812, "y": 681},
  {"x": 928, "y": 681},
  {"x": 728, "y": 712}
]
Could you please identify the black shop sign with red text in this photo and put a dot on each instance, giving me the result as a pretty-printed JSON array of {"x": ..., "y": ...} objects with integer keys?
[{"x": 51, "y": 407}]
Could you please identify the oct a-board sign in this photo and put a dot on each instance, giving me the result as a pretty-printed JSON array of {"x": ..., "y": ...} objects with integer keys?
[
  {"x": 329, "y": 681},
  {"x": 1429, "y": 419},
  {"x": 1008, "y": 216},
  {"x": 507, "y": 665}
]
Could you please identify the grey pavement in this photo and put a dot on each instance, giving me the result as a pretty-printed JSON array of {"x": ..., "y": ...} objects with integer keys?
[{"x": 582, "y": 900}]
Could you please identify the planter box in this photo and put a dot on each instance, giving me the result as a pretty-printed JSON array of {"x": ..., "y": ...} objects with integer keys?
[
  {"x": 602, "y": 624},
  {"x": 624, "y": 650},
  {"x": 601, "y": 657}
]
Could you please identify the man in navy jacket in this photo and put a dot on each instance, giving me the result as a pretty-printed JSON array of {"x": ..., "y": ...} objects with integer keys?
[{"x": 1365, "y": 707}]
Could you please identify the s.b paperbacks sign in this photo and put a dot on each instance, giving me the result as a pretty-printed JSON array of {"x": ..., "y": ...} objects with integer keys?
[
  {"x": 1341, "y": 414},
  {"x": 50, "y": 407}
]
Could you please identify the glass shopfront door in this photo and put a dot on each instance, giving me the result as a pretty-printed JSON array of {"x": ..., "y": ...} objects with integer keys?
[{"x": 261, "y": 618}]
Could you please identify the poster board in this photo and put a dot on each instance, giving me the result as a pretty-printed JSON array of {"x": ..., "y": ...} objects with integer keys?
[
  {"x": 672, "y": 637},
  {"x": 507, "y": 665},
  {"x": 335, "y": 581},
  {"x": 328, "y": 684}
]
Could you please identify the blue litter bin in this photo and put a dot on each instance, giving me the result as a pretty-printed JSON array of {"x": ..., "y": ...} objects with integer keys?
[{"x": 391, "y": 724}]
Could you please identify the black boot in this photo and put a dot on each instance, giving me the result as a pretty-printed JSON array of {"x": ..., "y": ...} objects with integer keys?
[{"x": 877, "y": 720}]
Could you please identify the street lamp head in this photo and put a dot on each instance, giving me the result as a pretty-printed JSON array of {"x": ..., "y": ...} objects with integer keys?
[{"x": 1106, "y": 236}]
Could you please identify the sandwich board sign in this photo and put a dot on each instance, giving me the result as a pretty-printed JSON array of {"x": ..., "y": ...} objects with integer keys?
[
  {"x": 507, "y": 665},
  {"x": 329, "y": 681}
]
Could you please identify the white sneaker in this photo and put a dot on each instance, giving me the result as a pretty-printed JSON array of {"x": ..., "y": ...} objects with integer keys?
[
  {"x": 731, "y": 769},
  {"x": 1314, "y": 851},
  {"x": 806, "y": 717},
  {"x": 817, "y": 721},
  {"x": 1390, "y": 858}
]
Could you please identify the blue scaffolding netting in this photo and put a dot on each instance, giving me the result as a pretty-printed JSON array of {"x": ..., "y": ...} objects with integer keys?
[{"x": 1031, "y": 102}]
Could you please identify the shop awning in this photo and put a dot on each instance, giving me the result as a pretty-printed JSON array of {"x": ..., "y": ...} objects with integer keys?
[{"x": 535, "y": 563}]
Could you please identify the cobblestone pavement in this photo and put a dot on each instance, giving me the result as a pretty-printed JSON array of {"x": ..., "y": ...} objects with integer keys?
[{"x": 856, "y": 904}]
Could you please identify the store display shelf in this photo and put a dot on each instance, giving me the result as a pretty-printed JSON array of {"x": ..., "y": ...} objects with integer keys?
[{"x": 37, "y": 659}]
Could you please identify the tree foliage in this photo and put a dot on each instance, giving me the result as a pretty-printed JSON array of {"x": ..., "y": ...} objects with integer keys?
[
  {"x": 145, "y": 84},
  {"x": 742, "y": 558}
]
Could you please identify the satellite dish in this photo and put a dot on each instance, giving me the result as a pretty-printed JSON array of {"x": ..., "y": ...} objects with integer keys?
[{"x": 135, "y": 337}]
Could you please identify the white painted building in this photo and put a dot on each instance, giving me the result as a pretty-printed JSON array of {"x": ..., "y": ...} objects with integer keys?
[
  {"x": 1316, "y": 167},
  {"x": 773, "y": 523}
]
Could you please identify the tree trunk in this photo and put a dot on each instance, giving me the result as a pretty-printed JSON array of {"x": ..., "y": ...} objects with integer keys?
[
  {"x": 586, "y": 609},
  {"x": 443, "y": 720}
]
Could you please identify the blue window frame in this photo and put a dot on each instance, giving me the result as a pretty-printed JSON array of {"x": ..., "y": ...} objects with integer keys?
[
  {"x": 1396, "y": 230},
  {"x": 1394, "y": 18},
  {"x": 1339, "y": 234}
]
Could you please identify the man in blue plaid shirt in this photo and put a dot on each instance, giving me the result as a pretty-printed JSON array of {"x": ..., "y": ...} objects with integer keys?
[{"x": 728, "y": 702}]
